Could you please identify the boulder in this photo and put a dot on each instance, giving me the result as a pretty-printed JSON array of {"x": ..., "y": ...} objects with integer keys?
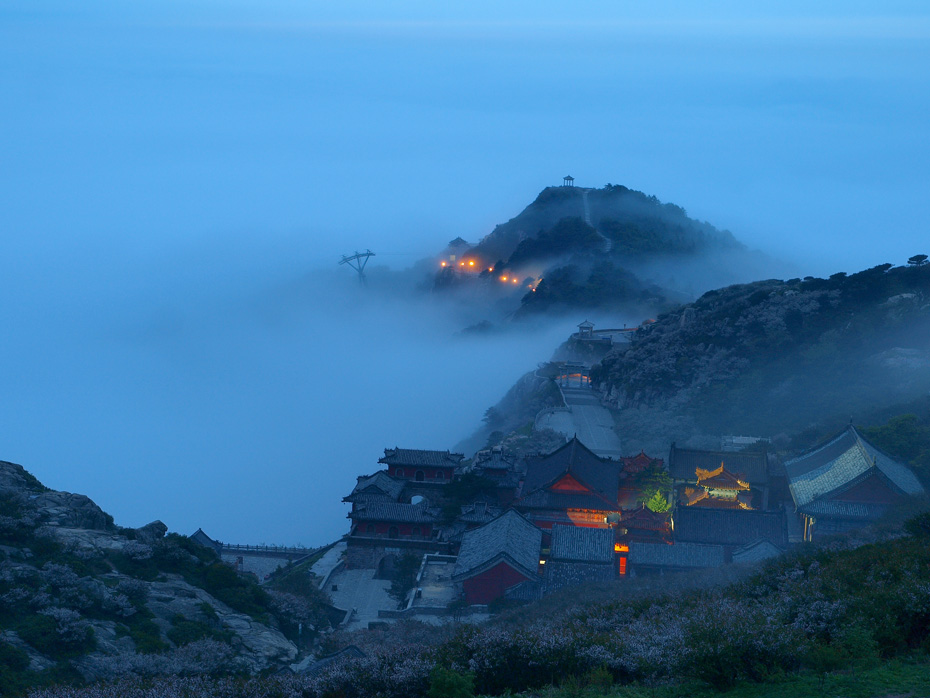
[
  {"x": 151, "y": 532},
  {"x": 72, "y": 511}
]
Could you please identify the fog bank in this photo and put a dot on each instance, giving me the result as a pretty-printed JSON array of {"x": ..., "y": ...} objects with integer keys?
[{"x": 240, "y": 390}]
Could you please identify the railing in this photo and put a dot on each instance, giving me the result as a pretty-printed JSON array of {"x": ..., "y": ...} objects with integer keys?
[
  {"x": 284, "y": 550},
  {"x": 547, "y": 411}
]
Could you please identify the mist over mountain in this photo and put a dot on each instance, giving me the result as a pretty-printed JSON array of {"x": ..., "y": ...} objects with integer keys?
[
  {"x": 579, "y": 248},
  {"x": 774, "y": 358}
]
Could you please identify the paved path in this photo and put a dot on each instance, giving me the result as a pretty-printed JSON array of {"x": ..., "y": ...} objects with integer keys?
[
  {"x": 561, "y": 422},
  {"x": 593, "y": 422},
  {"x": 330, "y": 559},
  {"x": 359, "y": 590},
  {"x": 588, "y": 419}
]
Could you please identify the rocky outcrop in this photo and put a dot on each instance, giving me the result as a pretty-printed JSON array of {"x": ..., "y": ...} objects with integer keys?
[
  {"x": 778, "y": 356},
  {"x": 263, "y": 647},
  {"x": 76, "y": 588},
  {"x": 72, "y": 511}
]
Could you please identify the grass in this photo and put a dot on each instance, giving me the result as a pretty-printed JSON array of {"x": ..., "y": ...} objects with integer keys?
[{"x": 898, "y": 678}]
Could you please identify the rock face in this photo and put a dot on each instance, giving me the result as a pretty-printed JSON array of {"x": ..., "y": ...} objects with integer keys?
[
  {"x": 76, "y": 588},
  {"x": 72, "y": 511}
]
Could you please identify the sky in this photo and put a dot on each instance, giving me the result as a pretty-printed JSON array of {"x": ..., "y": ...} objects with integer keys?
[{"x": 179, "y": 180}]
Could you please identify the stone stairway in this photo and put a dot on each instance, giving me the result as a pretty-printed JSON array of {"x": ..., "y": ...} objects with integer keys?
[{"x": 608, "y": 243}]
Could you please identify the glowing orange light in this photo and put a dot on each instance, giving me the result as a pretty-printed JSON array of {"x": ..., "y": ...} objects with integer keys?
[
  {"x": 471, "y": 264},
  {"x": 620, "y": 548},
  {"x": 461, "y": 264},
  {"x": 503, "y": 278},
  {"x": 622, "y": 566},
  {"x": 442, "y": 264},
  {"x": 516, "y": 281},
  {"x": 490, "y": 268}
]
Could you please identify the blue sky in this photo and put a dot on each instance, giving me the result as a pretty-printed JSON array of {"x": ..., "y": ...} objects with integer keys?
[{"x": 170, "y": 166}]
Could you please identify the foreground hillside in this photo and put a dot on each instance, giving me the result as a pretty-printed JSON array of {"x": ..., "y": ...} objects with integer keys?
[
  {"x": 775, "y": 357},
  {"x": 84, "y": 600},
  {"x": 799, "y": 621}
]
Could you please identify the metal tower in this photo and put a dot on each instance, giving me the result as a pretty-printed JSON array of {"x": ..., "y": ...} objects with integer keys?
[{"x": 358, "y": 262}]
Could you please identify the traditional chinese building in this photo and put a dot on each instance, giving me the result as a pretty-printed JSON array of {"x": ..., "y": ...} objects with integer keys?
[
  {"x": 378, "y": 487},
  {"x": 845, "y": 484},
  {"x": 433, "y": 467},
  {"x": 501, "y": 469},
  {"x": 382, "y": 531},
  {"x": 642, "y": 524},
  {"x": 661, "y": 558},
  {"x": 580, "y": 555},
  {"x": 752, "y": 468},
  {"x": 497, "y": 556},
  {"x": 571, "y": 485},
  {"x": 718, "y": 489},
  {"x": 631, "y": 469},
  {"x": 729, "y": 528}
]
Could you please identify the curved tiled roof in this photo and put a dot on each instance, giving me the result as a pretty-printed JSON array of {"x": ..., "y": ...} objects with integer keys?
[
  {"x": 509, "y": 538},
  {"x": 602, "y": 475},
  {"x": 577, "y": 544},
  {"x": 720, "y": 479},
  {"x": 392, "y": 511},
  {"x": 377, "y": 486},
  {"x": 730, "y": 526},
  {"x": 839, "y": 462},
  {"x": 681, "y": 555},
  {"x": 546, "y": 499},
  {"x": 836, "y": 509},
  {"x": 683, "y": 462},
  {"x": 416, "y": 457}
]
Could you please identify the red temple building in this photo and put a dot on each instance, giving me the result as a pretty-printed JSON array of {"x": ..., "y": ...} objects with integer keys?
[
  {"x": 437, "y": 467},
  {"x": 497, "y": 556},
  {"x": 571, "y": 485}
]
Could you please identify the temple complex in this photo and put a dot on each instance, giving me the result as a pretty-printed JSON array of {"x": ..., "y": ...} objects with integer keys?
[{"x": 522, "y": 527}]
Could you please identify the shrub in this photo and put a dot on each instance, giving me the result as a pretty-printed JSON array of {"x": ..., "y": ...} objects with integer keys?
[{"x": 445, "y": 683}]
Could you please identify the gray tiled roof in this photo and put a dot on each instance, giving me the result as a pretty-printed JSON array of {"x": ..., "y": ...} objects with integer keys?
[
  {"x": 560, "y": 574},
  {"x": 683, "y": 462},
  {"x": 838, "y": 509},
  {"x": 479, "y": 512},
  {"x": 494, "y": 460},
  {"x": 509, "y": 537},
  {"x": 574, "y": 543},
  {"x": 546, "y": 499},
  {"x": 600, "y": 474},
  {"x": 377, "y": 486},
  {"x": 392, "y": 511},
  {"x": 729, "y": 526},
  {"x": 416, "y": 457},
  {"x": 839, "y": 462},
  {"x": 680, "y": 555},
  {"x": 756, "y": 551}
]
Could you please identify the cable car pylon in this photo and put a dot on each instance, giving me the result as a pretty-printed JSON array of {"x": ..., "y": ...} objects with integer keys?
[{"x": 358, "y": 261}]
